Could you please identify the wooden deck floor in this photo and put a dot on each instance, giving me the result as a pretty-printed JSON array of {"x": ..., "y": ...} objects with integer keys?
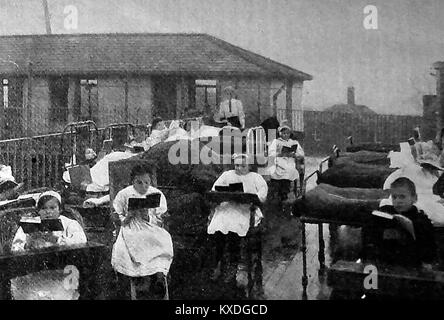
[{"x": 283, "y": 279}]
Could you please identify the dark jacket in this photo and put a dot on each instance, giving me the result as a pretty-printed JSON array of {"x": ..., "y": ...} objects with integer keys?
[{"x": 402, "y": 249}]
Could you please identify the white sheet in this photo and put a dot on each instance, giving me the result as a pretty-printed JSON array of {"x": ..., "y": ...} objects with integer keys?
[{"x": 432, "y": 205}]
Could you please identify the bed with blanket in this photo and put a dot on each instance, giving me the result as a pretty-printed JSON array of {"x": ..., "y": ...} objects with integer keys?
[
  {"x": 361, "y": 169},
  {"x": 351, "y": 174},
  {"x": 345, "y": 205}
]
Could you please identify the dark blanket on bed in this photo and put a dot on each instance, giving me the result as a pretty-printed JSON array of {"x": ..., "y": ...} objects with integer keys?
[
  {"x": 349, "y": 174},
  {"x": 364, "y": 157},
  {"x": 352, "y": 205}
]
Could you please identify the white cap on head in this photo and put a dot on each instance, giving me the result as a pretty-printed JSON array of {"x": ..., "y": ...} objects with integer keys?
[
  {"x": 284, "y": 125},
  {"x": 52, "y": 194},
  {"x": 238, "y": 157}
]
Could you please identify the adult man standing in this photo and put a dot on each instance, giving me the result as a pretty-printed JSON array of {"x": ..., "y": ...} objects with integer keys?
[{"x": 231, "y": 110}]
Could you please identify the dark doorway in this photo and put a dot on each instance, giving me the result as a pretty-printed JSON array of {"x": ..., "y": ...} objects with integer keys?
[
  {"x": 58, "y": 93},
  {"x": 164, "y": 97}
]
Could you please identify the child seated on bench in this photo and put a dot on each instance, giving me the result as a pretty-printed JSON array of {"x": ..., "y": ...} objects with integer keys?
[
  {"x": 405, "y": 236},
  {"x": 48, "y": 284}
]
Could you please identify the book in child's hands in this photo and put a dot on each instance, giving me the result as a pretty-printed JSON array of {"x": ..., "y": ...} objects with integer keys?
[
  {"x": 7, "y": 185},
  {"x": 232, "y": 187},
  {"x": 291, "y": 149},
  {"x": 222, "y": 188},
  {"x": 401, "y": 220},
  {"x": 35, "y": 224},
  {"x": 406, "y": 224},
  {"x": 138, "y": 149},
  {"x": 150, "y": 201},
  {"x": 382, "y": 214},
  {"x": 236, "y": 187}
]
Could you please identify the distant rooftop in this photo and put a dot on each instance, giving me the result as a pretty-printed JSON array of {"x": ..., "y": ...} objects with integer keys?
[{"x": 350, "y": 108}]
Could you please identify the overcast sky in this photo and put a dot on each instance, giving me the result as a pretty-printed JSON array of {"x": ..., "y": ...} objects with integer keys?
[{"x": 389, "y": 67}]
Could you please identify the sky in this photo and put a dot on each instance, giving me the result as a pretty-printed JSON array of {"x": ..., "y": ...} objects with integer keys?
[{"x": 390, "y": 67}]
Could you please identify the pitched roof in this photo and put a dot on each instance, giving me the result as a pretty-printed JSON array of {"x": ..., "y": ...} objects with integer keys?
[{"x": 141, "y": 53}]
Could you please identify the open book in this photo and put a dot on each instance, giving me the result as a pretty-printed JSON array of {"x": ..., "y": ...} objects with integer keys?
[
  {"x": 287, "y": 150},
  {"x": 35, "y": 224},
  {"x": 402, "y": 221},
  {"x": 232, "y": 187},
  {"x": 149, "y": 202}
]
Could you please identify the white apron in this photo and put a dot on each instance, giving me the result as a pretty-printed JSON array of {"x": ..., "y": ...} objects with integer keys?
[
  {"x": 235, "y": 217},
  {"x": 284, "y": 168},
  {"x": 142, "y": 249}
]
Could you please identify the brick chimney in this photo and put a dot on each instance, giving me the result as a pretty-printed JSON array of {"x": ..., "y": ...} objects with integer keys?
[
  {"x": 429, "y": 123},
  {"x": 351, "y": 95},
  {"x": 439, "y": 67}
]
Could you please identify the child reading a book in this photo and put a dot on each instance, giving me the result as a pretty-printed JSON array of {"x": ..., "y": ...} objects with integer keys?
[
  {"x": 139, "y": 139},
  {"x": 49, "y": 206},
  {"x": 405, "y": 235},
  {"x": 230, "y": 221},
  {"x": 159, "y": 132},
  {"x": 48, "y": 284},
  {"x": 143, "y": 247},
  {"x": 286, "y": 153}
]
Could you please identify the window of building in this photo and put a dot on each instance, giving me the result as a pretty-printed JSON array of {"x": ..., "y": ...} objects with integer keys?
[
  {"x": 5, "y": 93},
  {"x": 205, "y": 95},
  {"x": 12, "y": 93}
]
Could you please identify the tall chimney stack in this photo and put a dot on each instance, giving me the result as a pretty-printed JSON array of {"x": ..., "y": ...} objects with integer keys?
[
  {"x": 439, "y": 67},
  {"x": 351, "y": 95}
]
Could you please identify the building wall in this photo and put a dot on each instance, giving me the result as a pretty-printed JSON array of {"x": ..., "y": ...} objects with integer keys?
[
  {"x": 255, "y": 94},
  {"x": 297, "y": 96},
  {"x": 111, "y": 104},
  {"x": 140, "y": 100},
  {"x": 74, "y": 100},
  {"x": 111, "y": 92},
  {"x": 39, "y": 107},
  {"x": 281, "y": 101}
]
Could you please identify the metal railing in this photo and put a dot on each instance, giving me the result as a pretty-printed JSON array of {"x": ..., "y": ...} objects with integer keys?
[
  {"x": 39, "y": 161},
  {"x": 35, "y": 161}
]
